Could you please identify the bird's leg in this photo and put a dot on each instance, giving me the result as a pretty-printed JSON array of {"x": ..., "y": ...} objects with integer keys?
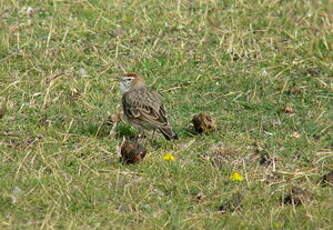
[
  {"x": 153, "y": 133},
  {"x": 112, "y": 132}
]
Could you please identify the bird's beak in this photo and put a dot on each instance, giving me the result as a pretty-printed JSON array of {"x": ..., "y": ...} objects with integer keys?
[{"x": 117, "y": 78}]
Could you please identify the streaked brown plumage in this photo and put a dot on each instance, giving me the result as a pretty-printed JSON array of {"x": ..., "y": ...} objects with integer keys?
[
  {"x": 143, "y": 107},
  {"x": 3, "y": 108}
]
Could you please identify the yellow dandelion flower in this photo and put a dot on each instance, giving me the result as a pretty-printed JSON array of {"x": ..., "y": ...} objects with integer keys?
[
  {"x": 235, "y": 176},
  {"x": 169, "y": 157}
]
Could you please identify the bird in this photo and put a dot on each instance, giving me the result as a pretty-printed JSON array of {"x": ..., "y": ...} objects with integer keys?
[
  {"x": 3, "y": 108},
  {"x": 143, "y": 107}
]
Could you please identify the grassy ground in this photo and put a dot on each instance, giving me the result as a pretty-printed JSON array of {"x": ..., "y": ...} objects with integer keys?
[{"x": 241, "y": 61}]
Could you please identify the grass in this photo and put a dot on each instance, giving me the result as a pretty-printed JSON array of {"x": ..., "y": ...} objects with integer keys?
[{"x": 241, "y": 61}]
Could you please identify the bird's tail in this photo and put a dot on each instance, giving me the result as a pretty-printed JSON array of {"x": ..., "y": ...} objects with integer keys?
[{"x": 168, "y": 133}]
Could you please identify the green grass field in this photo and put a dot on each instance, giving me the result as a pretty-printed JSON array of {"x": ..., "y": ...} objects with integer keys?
[{"x": 241, "y": 61}]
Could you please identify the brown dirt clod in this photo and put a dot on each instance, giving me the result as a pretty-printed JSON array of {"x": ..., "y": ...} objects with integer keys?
[
  {"x": 297, "y": 196},
  {"x": 234, "y": 204},
  {"x": 131, "y": 152},
  {"x": 328, "y": 178},
  {"x": 288, "y": 108},
  {"x": 203, "y": 123}
]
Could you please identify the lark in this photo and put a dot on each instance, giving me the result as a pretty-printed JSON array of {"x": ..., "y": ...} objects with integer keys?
[{"x": 143, "y": 107}]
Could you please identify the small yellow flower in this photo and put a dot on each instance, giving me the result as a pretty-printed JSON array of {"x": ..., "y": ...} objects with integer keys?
[
  {"x": 235, "y": 176},
  {"x": 169, "y": 157}
]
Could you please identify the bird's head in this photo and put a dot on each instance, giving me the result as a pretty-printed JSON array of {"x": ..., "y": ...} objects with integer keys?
[{"x": 130, "y": 81}]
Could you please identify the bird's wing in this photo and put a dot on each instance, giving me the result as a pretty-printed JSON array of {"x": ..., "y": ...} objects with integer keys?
[{"x": 145, "y": 105}]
